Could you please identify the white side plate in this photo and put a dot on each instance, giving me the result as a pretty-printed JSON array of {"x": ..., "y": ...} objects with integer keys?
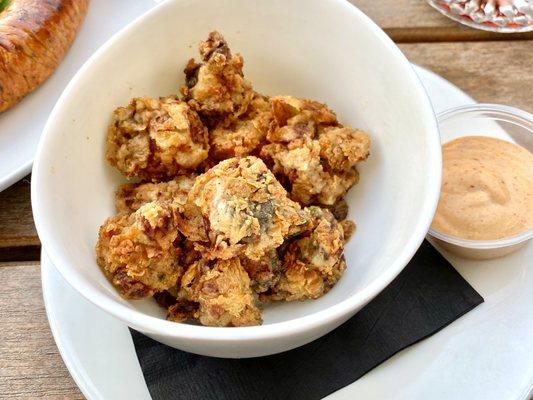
[
  {"x": 487, "y": 354},
  {"x": 21, "y": 126}
]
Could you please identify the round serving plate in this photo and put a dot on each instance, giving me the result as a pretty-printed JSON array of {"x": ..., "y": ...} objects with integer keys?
[
  {"x": 485, "y": 354},
  {"x": 21, "y": 126}
]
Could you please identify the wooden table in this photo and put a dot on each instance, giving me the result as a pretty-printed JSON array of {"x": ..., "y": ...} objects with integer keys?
[{"x": 490, "y": 67}]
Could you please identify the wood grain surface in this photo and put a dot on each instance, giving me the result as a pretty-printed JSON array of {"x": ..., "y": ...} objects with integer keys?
[
  {"x": 403, "y": 14},
  {"x": 489, "y": 67},
  {"x": 491, "y": 72},
  {"x": 18, "y": 237},
  {"x": 407, "y": 21},
  {"x": 30, "y": 366}
]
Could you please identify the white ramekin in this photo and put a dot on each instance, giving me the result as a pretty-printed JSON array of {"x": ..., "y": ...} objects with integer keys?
[{"x": 494, "y": 120}]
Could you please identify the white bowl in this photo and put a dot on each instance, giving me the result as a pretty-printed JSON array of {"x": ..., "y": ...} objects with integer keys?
[{"x": 321, "y": 49}]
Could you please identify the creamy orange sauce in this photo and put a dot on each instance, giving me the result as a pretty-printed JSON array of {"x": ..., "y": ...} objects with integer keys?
[{"x": 487, "y": 189}]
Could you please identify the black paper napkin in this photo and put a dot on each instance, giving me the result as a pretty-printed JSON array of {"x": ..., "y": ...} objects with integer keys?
[{"x": 428, "y": 295}]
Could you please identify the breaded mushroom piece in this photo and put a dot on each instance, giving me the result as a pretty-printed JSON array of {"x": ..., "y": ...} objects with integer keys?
[
  {"x": 156, "y": 139},
  {"x": 297, "y": 117},
  {"x": 300, "y": 168},
  {"x": 216, "y": 87},
  {"x": 138, "y": 252},
  {"x": 242, "y": 135},
  {"x": 247, "y": 211},
  {"x": 342, "y": 148},
  {"x": 131, "y": 196},
  {"x": 265, "y": 272},
  {"x": 311, "y": 153},
  {"x": 179, "y": 308},
  {"x": 312, "y": 262},
  {"x": 223, "y": 293}
]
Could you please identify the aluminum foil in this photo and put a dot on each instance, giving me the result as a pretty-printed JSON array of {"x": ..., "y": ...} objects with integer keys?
[{"x": 491, "y": 15}]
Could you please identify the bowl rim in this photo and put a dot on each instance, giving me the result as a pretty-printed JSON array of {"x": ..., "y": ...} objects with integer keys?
[
  {"x": 521, "y": 119},
  {"x": 293, "y": 327}
]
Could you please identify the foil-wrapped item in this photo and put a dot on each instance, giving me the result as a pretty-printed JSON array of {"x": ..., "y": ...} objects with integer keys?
[{"x": 490, "y": 15}]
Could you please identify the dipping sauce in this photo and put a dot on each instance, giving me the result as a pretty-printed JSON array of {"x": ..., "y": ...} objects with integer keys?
[{"x": 487, "y": 189}]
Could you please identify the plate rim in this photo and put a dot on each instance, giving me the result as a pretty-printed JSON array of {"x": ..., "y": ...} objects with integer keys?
[{"x": 76, "y": 371}]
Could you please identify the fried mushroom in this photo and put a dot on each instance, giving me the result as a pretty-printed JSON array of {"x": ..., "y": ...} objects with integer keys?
[
  {"x": 265, "y": 272},
  {"x": 216, "y": 87},
  {"x": 156, "y": 139},
  {"x": 242, "y": 135},
  {"x": 131, "y": 196},
  {"x": 343, "y": 147},
  {"x": 245, "y": 209},
  {"x": 313, "y": 261},
  {"x": 311, "y": 153},
  {"x": 179, "y": 308},
  {"x": 222, "y": 291},
  {"x": 138, "y": 252}
]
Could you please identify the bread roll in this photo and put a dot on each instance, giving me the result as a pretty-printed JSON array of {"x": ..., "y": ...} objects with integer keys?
[{"x": 34, "y": 37}]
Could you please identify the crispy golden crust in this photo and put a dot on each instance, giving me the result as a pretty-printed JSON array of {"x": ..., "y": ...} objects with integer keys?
[
  {"x": 312, "y": 262},
  {"x": 240, "y": 136},
  {"x": 342, "y": 148},
  {"x": 182, "y": 310},
  {"x": 216, "y": 87},
  {"x": 299, "y": 166},
  {"x": 131, "y": 196},
  {"x": 156, "y": 139},
  {"x": 223, "y": 293},
  {"x": 138, "y": 252},
  {"x": 348, "y": 227},
  {"x": 265, "y": 272},
  {"x": 34, "y": 37},
  {"x": 247, "y": 210},
  {"x": 299, "y": 116},
  {"x": 192, "y": 224},
  {"x": 339, "y": 209},
  {"x": 311, "y": 153},
  {"x": 179, "y": 309}
]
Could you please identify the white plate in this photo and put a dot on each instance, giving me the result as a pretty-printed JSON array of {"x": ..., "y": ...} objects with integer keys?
[
  {"x": 21, "y": 126},
  {"x": 487, "y": 354}
]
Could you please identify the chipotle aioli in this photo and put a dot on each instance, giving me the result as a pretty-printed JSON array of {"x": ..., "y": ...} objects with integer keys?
[{"x": 487, "y": 189}]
